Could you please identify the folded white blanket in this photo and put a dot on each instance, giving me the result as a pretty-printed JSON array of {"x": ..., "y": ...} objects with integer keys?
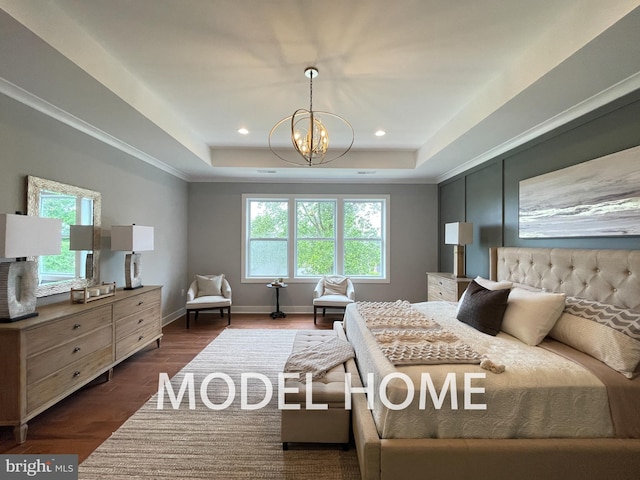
[{"x": 319, "y": 358}]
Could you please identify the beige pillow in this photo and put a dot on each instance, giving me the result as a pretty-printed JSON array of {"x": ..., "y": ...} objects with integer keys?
[
  {"x": 606, "y": 332},
  {"x": 531, "y": 315},
  {"x": 335, "y": 285},
  {"x": 209, "y": 286}
]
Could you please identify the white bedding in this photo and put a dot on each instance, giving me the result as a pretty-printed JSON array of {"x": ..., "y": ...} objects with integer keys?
[{"x": 540, "y": 395}]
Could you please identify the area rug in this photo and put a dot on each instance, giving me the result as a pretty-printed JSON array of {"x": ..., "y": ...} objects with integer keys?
[{"x": 231, "y": 443}]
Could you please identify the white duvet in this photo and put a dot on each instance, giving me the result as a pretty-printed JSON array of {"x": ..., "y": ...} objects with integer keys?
[{"x": 539, "y": 395}]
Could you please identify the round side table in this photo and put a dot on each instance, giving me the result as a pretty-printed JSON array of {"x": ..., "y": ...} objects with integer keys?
[{"x": 277, "y": 286}]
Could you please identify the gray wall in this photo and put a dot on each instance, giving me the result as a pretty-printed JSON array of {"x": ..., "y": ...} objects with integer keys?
[
  {"x": 488, "y": 195},
  {"x": 215, "y": 237},
  {"x": 132, "y": 192}
]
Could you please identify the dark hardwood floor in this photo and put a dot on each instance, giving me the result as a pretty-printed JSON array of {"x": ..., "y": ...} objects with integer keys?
[{"x": 85, "y": 419}]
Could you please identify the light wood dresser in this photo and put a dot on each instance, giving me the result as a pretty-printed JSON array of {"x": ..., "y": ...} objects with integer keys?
[
  {"x": 445, "y": 287},
  {"x": 45, "y": 358}
]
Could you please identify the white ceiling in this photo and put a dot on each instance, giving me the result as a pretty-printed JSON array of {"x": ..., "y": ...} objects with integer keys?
[{"x": 453, "y": 83}]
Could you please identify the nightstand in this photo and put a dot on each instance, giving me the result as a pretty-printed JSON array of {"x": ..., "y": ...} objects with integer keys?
[{"x": 445, "y": 287}]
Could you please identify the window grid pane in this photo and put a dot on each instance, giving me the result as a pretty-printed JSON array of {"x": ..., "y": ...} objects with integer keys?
[
  {"x": 363, "y": 238},
  {"x": 268, "y": 230},
  {"x": 315, "y": 237},
  {"x": 315, "y": 257}
]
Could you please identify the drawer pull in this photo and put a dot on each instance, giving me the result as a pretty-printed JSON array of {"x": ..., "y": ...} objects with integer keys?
[
  {"x": 76, "y": 326},
  {"x": 76, "y": 350},
  {"x": 76, "y": 374}
]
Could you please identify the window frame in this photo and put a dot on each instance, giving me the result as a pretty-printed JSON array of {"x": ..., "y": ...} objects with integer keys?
[{"x": 339, "y": 235}]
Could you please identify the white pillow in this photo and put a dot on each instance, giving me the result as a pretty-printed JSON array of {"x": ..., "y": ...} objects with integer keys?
[
  {"x": 335, "y": 285},
  {"x": 209, "y": 286},
  {"x": 531, "y": 315},
  {"x": 489, "y": 285}
]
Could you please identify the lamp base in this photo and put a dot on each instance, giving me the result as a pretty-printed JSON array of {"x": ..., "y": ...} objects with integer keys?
[
  {"x": 21, "y": 317},
  {"x": 18, "y": 281},
  {"x": 458, "y": 261},
  {"x": 132, "y": 271}
]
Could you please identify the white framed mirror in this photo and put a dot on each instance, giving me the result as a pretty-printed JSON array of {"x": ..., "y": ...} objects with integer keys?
[{"x": 73, "y": 268}]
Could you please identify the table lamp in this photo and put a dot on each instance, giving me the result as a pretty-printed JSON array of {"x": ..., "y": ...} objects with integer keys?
[
  {"x": 132, "y": 238},
  {"x": 458, "y": 234},
  {"x": 24, "y": 236},
  {"x": 81, "y": 240}
]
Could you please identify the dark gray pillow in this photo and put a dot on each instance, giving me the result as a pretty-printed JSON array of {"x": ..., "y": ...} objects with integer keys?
[{"x": 483, "y": 309}]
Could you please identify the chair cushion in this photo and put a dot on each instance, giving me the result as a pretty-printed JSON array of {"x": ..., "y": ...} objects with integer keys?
[
  {"x": 332, "y": 300},
  {"x": 335, "y": 285},
  {"x": 210, "y": 301},
  {"x": 208, "y": 286}
]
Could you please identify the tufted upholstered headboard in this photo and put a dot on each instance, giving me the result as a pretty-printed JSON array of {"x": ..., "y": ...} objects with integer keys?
[{"x": 607, "y": 276}]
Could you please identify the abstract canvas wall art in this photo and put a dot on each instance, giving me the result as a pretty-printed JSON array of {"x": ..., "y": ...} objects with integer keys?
[{"x": 600, "y": 197}]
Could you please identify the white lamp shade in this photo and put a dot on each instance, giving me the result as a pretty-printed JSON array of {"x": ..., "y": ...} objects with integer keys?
[
  {"x": 458, "y": 233},
  {"x": 29, "y": 236},
  {"x": 81, "y": 237},
  {"x": 131, "y": 238}
]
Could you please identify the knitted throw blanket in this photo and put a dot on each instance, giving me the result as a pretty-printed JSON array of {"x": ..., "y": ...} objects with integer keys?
[
  {"x": 319, "y": 358},
  {"x": 406, "y": 336}
]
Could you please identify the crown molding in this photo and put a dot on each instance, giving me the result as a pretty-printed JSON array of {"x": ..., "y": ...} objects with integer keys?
[
  {"x": 598, "y": 100},
  {"x": 36, "y": 103}
]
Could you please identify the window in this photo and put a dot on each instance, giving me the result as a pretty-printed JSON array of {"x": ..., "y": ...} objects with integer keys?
[
  {"x": 302, "y": 238},
  {"x": 268, "y": 234}
]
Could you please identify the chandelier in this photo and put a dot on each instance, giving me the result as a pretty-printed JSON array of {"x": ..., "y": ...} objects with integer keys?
[{"x": 309, "y": 135}]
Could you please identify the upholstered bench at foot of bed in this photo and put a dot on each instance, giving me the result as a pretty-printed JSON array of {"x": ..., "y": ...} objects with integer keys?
[{"x": 317, "y": 426}]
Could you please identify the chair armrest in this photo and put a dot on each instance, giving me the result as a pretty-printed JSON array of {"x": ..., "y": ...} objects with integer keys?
[
  {"x": 193, "y": 291},
  {"x": 226, "y": 289},
  {"x": 351, "y": 292},
  {"x": 319, "y": 290}
]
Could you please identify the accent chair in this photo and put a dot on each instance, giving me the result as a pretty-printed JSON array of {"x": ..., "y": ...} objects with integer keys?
[
  {"x": 209, "y": 292},
  {"x": 332, "y": 291}
]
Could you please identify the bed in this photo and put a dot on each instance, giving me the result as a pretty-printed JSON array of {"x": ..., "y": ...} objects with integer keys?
[{"x": 593, "y": 435}]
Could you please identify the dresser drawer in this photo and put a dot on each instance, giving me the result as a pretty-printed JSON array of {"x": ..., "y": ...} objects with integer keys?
[
  {"x": 137, "y": 339},
  {"x": 126, "y": 326},
  {"x": 68, "y": 378},
  {"x": 134, "y": 304},
  {"x": 47, "y": 362},
  {"x": 442, "y": 289},
  {"x": 66, "y": 329}
]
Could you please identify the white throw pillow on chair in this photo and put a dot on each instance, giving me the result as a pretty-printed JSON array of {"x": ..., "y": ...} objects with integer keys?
[
  {"x": 335, "y": 285},
  {"x": 209, "y": 286}
]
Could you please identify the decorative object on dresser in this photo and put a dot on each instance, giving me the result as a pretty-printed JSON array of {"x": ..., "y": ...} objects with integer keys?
[
  {"x": 68, "y": 345},
  {"x": 132, "y": 238},
  {"x": 445, "y": 287},
  {"x": 23, "y": 236},
  {"x": 458, "y": 234},
  {"x": 90, "y": 294}
]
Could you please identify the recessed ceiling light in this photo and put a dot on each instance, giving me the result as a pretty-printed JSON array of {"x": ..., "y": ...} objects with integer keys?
[
  {"x": 380, "y": 133},
  {"x": 243, "y": 131}
]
